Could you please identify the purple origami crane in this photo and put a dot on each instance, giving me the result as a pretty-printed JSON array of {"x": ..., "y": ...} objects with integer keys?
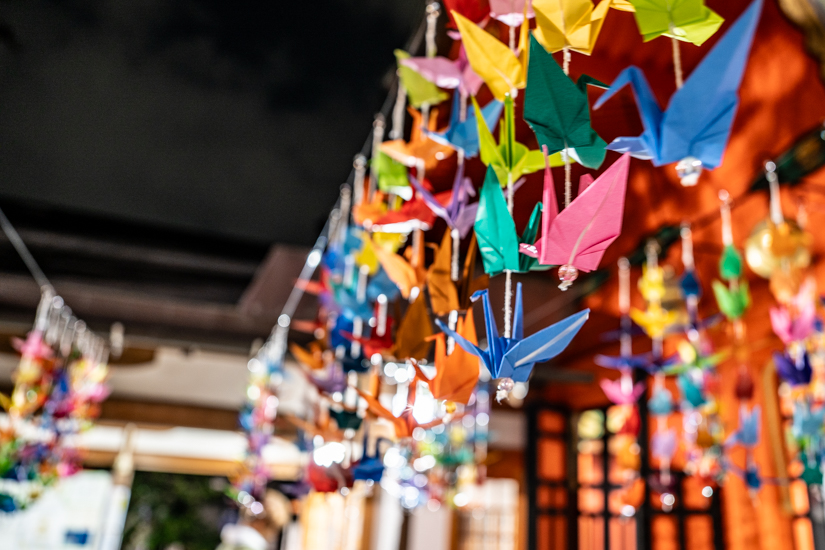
[
  {"x": 795, "y": 371},
  {"x": 663, "y": 444},
  {"x": 458, "y": 214},
  {"x": 335, "y": 381}
]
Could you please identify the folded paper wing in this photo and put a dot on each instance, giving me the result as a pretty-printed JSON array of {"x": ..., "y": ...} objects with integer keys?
[
  {"x": 558, "y": 110},
  {"x": 699, "y": 117},
  {"x": 463, "y": 134},
  {"x": 458, "y": 213},
  {"x": 456, "y": 374},
  {"x": 413, "y": 332},
  {"x": 581, "y": 233},
  {"x": 492, "y": 60},
  {"x": 688, "y": 20},
  {"x": 574, "y": 24}
]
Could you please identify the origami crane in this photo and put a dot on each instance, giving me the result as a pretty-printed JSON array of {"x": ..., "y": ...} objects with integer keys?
[
  {"x": 370, "y": 467},
  {"x": 456, "y": 374},
  {"x": 420, "y": 90},
  {"x": 406, "y": 273},
  {"x": 33, "y": 347},
  {"x": 663, "y": 445},
  {"x": 661, "y": 403},
  {"x": 493, "y": 61},
  {"x": 335, "y": 380},
  {"x": 578, "y": 236},
  {"x": 413, "y": 214},
  {"x": 698, "y": 120},
  {"x": 495, "y": 230},
  {"x": 391, "y": 174},
  {"x": 734, "y": 299},
  {"x": 405, "y": 423},
  {"x": 794, "y": 328},
  {"x": 616, "y": 392},
  {"x": 796, "y": 371},
  {"x": 458, "y": 213},
  {"x": 515, "y": 357},
  {"x": 463, "y": 135},
  {"x": 687, "y": 20},
  {"x": 572, "y": 24},
  {"x": 509, "y": 158},
  {"x": 411, "y": 338},
  {"x": 558, "y": 111},
  {"x": 420, "y": 149},
  {"x": 313, "y": 358},
  {"x": 511, "y": 12},
  {"x": 747, "y": 434},
  {"x": 447, "y": 73},
  {"x": 807, "y": 421},
  {"x": 447, "y": 295}
]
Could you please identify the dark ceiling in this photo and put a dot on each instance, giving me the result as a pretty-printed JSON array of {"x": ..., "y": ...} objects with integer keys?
[
  {"x": 168, "y": 162},
  {"x": 238, "y": 119}
]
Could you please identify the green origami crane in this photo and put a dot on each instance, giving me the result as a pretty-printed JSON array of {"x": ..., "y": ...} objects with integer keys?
[
  {"x": 419, "y": 89},
  {"x": 687, "y": 20},
  {"x": 557, "y": 109},
  {"x": 733, "y": 300},
  {"x": 391, "y": 174},
  {"x": 495, "y": 230},
  {"x": 509, "y": 157}
]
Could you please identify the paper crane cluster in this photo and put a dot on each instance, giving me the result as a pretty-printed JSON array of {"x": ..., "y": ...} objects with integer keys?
[
  {"x": 58, "y": 387},
  {"x": 397, "y": 362}
]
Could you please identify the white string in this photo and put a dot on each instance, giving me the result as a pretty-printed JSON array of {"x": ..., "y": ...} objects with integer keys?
[{"x": 508, "y": 276}]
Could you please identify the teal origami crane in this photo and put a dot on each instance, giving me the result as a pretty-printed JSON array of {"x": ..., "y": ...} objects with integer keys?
[{"x": 498, "y": 242}]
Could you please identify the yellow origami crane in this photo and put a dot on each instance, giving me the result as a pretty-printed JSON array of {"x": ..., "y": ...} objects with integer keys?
[
  {"x": 655, "y": 321},
  {"x": 406, "y": 273},
  {"x": 495, "y": 63},
  {"x": 572, "y": 24}
]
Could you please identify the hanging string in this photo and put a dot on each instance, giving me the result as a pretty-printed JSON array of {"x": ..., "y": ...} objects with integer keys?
[
  {"x": 359, "y": 166},
  {"x": 508, "y": 276},
  {"x": 677, "y": 63},
  {"x": 566, "y": 60},
  {"x": 377, "y": 139},
  {"x": 568, "y": 180},
  {"x": 23, "y": 251},
  {"x": 397, "y": 131},
  {"x": 775, "y": 203}
]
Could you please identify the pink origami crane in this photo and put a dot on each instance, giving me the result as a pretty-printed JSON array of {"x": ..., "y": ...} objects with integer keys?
[
  {"x": 615, "y": 392},
  {"x": 793, "y": 328},
  {"x": 446, "y": 73},
  {"x": 577, "y": 237},
  {"x": 511, "y": 12},
  {"x": 33, "y": 346}
]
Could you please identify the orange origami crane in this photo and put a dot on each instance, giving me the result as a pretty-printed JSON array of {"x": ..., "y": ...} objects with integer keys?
[
  {"x": 411, "y": 338},
  {"x": 403, "y": 424},
  {"x": 420, "y": 148},
  {"x": 456, "y": 375},
  {"x": 447, "y": 295},
  {"x": 312, "y": 358},
  {"x": 406, "y": 273}
]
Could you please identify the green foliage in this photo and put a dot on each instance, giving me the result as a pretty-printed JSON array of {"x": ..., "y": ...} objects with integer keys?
[{"x": 174, "y": 508}]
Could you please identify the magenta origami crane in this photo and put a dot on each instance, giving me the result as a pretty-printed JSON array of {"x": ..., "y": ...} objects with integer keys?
[
  {"x": 576, "y": 238},
  {"x": 793, "y": 328},
  {"x": 621, "y": 393}
]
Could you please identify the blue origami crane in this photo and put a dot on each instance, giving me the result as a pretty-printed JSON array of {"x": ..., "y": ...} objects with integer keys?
[
  {"x": 807, "y": 422},
  {"x": 370, "y": 467},
  {"x": 698, "y": 120},
  {"x": 747, "y": 434},
  {"x": 515, "y": 357},
  {"x": 463, "y": 135}
]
